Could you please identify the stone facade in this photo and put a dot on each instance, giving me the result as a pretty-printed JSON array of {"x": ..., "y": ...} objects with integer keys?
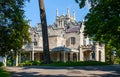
[{"x": 66, "y": 41}]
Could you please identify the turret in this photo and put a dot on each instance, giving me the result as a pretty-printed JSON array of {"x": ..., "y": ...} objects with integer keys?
[
  {"x": 63, "y": 14},
  {"x": 74, "y": 16},
  {"x": 56, "y": 12},
  {"x": 57, "y": 17},
  {"x": 68, "y": 12}
]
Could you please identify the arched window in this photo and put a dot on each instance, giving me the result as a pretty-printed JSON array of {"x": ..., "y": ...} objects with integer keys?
[
  {"x": 72, "y": 40},
  {"x": 35, "y": 42}
]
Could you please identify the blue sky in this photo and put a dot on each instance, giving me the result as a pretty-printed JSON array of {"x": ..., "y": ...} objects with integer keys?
[{"x": 32, "y": 10}]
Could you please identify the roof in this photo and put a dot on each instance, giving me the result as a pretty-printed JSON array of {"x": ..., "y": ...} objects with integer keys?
[
  {"x": 73, "y": 29},
  {"x": 61, "y": 48}
]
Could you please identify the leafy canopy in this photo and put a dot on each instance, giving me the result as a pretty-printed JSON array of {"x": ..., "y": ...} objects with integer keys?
[
  {"x": 103, "y": 21},
  {"x": 13, "y": 27}
]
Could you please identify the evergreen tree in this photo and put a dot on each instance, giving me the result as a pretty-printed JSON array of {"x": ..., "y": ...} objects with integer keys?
[{"x": 13, "y": 27}]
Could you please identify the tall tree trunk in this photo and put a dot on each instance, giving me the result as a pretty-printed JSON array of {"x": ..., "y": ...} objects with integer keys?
[{"x": 46, "y": 53}]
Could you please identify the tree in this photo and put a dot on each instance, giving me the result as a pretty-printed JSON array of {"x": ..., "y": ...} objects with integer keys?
[
  {"x": 13, "y": 27},
  {"x": 103, "y": 21},
  {"x": 46, "y": 53},
  {"x": 109, "y": 53}
]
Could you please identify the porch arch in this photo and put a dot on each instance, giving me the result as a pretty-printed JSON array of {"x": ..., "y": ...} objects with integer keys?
[{"x": 87, "y": 55}]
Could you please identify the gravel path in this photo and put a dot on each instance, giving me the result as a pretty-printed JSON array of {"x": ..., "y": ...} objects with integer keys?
[{"x": 52, "y": 71}]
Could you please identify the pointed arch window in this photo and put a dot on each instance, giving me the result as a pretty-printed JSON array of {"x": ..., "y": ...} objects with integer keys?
[
  {"x": 35, "y": 43},
  {"x": 73, "y": 40}
]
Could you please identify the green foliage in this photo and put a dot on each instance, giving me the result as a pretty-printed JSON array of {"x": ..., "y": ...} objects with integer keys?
[
  {"x": 4, "y": 73},
  {"x": 30, "y": 63},
  {"x": 103, "y": 21},
  {"x": 36, "y": 62},
  {"x": 1, "y": 64},
  {"x": 80, "y": 63},
  {"x": 13, "y": 27},
  {"x": 26, "y": 63},
  {"x": 109, "y": 53},
  {"x": 69, "y": 63},
  {"x": 8, "y": 62},
  {"x": 117, "y": 60}
]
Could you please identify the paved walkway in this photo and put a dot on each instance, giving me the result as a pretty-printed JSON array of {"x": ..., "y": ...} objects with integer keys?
[{"x": 51, "y": 71}]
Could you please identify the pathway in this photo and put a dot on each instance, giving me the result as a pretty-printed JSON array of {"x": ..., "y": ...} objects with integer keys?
[{"x": 51, "y": 71}]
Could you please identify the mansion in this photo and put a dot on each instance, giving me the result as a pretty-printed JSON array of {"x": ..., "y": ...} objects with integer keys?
[{"x": 66, "y": 41}]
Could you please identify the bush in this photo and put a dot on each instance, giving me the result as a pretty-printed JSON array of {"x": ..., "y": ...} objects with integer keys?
[
  {"x": 26, "y": 63},
  {"x": 21, "y": 64},
  {"x": 1, "y": 64},
  {"x": 36, "y": 62},
  {"x": 9, "y": 63},
  {"x": 30, "y": 63},
  {"x": 80, "y": 63},
  {"x": 117, "y": 61}
]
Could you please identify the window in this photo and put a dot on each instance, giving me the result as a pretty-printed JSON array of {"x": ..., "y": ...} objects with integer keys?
[
  {"x": 35, "y": 43},
  {"x": 34, "y": 35},
  {"x": 68, "y": 27},
  {"x": 84, "y": 42},
  {"x": 72, "y": 40}
]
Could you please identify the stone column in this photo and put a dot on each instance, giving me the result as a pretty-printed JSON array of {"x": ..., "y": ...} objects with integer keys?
[
  {"x": 81, "y": 54},
  {"x": 30, "y": 55},
  {"x": 58, "y": 56},
  {"x": 71, "y": 56},
  {"x": 16, "y": 59},
  {"x": 97, "y": 55},
  {"x": 33, "y": 53},
  {"x": 64, "y": 56},
  {"x": 5, "y": 60},
  {"x": 77, "y": 56},
  {"x": 103, "y": 54},
  {"x": 19, "y": 57},
  {"x": 96, "y": 52}
]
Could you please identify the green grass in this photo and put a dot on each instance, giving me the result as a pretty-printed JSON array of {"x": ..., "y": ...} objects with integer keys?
[
  {"x": 3, "y": 73},
  {"x": 80, "y": 63}
]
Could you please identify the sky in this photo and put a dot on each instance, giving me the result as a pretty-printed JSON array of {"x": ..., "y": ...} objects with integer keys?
[{"x": 32, "y": 10}]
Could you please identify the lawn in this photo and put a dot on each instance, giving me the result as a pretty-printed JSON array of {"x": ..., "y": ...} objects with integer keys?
[{"x": 3, "y": 73}]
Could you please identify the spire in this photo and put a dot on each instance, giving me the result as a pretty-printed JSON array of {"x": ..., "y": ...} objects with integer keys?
[
  {"x": 63, "y": 14},
  {"x": 74, "y": 15},
  {"x": 56, "y": 12},
  {"x": 68, "y": 12}
]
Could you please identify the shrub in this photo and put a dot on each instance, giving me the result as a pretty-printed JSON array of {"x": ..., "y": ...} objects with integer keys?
[
  {"x": 79, "y": 63},
  {"x": 1, "y": 64},
  {"x": 21, "y": 64},
  {"x": 30, "y": 63},
  {"x": 26, "y": 63},
  {"x": 8, "y": 63},
  {"x": 117, "y": 61},
  {"x": 36, "y": 62}
]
